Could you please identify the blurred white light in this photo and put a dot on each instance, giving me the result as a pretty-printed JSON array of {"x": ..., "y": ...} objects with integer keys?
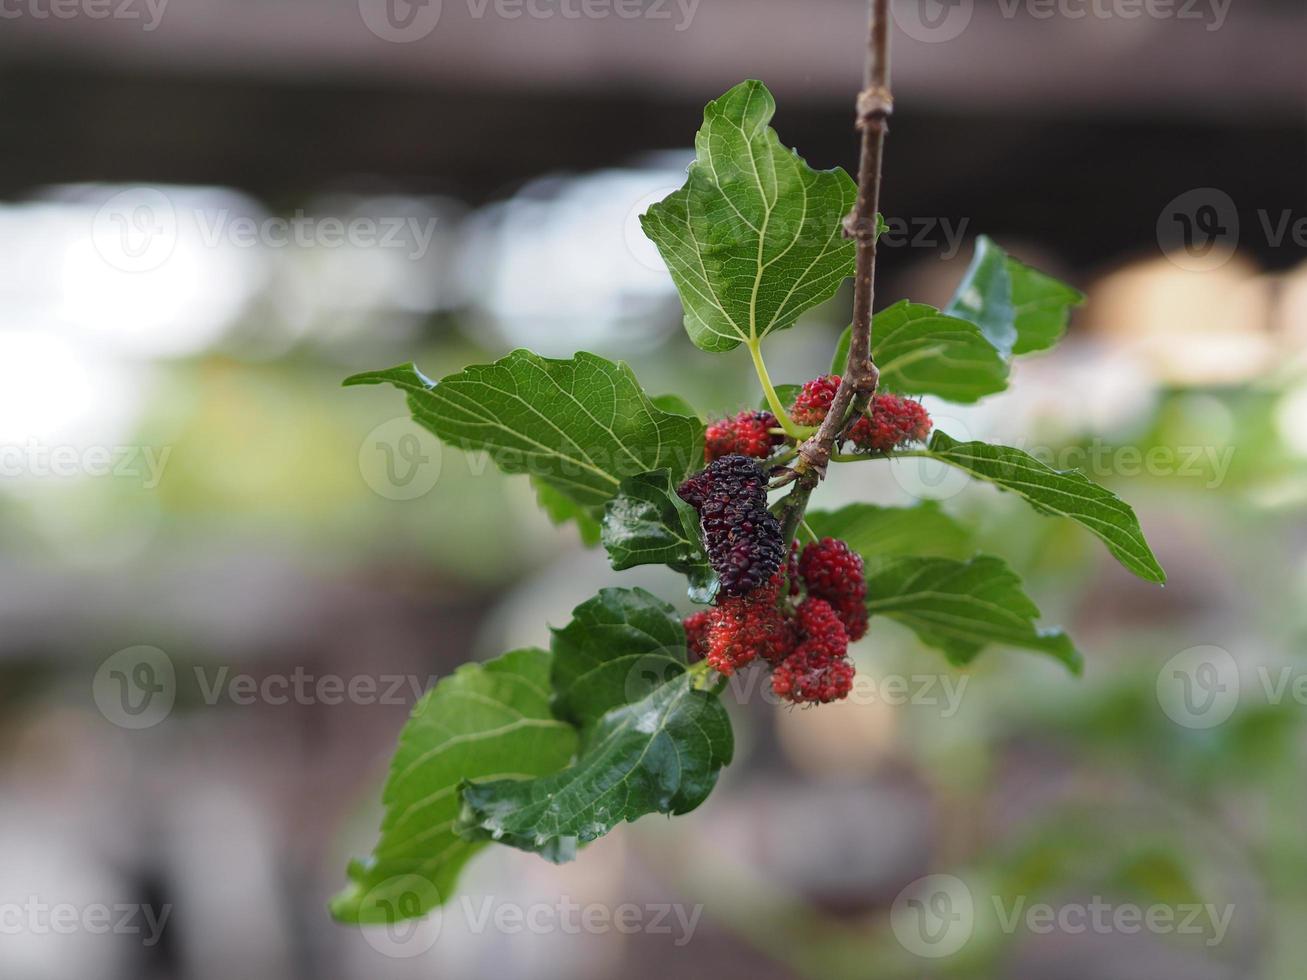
[
  {"x": 48, "y": 865},
  {"x": 564, "y": 265},
  {"x": 54, "y": 392},
  {"x": 157, "y": 271},
  {"x": 140, "y": 271},
  {"x": 1115, "y": 392},
  {"x": 394, "y": 255},
  {"x": 1291, "y": 420}
]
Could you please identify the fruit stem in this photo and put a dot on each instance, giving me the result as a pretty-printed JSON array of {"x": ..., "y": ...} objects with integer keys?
[
  {"x": 795, "y": 503},
  {"x": 783, "y": 458},
  {"x": 704, "y": 678}
]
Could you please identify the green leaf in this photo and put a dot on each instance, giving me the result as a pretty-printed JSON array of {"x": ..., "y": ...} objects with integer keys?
[
  {"x": 1017, "y": 307},
  {"x": 651, "y": 743},
  {"x": 485, "y": 721},
  {"x": 675, "y": 405},
  {"x": 921, "y": 351},
  {"x": 661, "y": 754},
  {"x": 984, "y": 296},
  {"x": 619, "y": 646},
  {"x": 579, "y": 426},
  {"x": 648, "y": 524},
  {"x": 560, "y": 509},
  {"x": 1064, "y": 492},
  {"x": 960, "y": 606},
  {"x": 1042, "y": 306},
  {"x": 881, "y": 534},
  {"x": 755, "y": 236}
]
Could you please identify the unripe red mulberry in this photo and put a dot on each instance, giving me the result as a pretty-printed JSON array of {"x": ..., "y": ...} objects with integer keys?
[
  {"x": 742, "y": 628},
  {"x": 741, "y": 536},
  {"x": 696, "y": 634},
  {"x": 834, "y": 572},
  {"x": 819, "y": 623},
  {"x": 747, "y": 434},
  {"x": 852, "y": 611},
  {"x": 818, "y": 671},
  {"x": 807, "y": 679},
  {"x": 814, "y": 401},
  {"x": 830, "y": 567},
  {"x": 891, "y": 421}
]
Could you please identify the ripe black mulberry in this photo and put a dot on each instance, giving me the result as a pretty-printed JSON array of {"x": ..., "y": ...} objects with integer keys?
[{"x": 742, "y": 537}]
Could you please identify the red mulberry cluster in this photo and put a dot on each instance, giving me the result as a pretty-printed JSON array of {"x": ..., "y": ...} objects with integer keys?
[
  {"x": 818, "y": 671},
  {"x": 814, "y": 400},
  {"x": 833, "y": 572},
  {"x": 748, "y": 434},
  {"x": 743, "y": 539},
  {"x": 741, "y": 628},
  {"x": 755, "y": 615},
  {"x": 808, "y": 650},
  {"x": 891, "y": 421}
]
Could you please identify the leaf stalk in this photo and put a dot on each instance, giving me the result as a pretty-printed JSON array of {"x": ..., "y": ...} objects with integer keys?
[{"x": 773, "y": 399}]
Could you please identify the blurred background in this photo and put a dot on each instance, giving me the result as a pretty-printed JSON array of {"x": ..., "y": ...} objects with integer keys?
[{"x": 212, "y": 211}]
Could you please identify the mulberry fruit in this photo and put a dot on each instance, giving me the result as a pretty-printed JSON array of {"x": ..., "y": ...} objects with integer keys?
[
  {"x": 742, "y": 537},
  {"x": 694, "y": 491},
  {"x": 818, "y": 671},
  {"x": 806, "y": 678},
  {"x": 742, "y": 628},
  {"x": 832, "y": 571},
  {"x": 818, "y": 622},
  {"x": 814, "y": 400},
  {"x": 829, "y": 567},
  {"x": 696, "y": 634},
  {"x": 852, "y": 611},
  {"x": 747, "y": 434},
  {"x": 891, "y": 421}
]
